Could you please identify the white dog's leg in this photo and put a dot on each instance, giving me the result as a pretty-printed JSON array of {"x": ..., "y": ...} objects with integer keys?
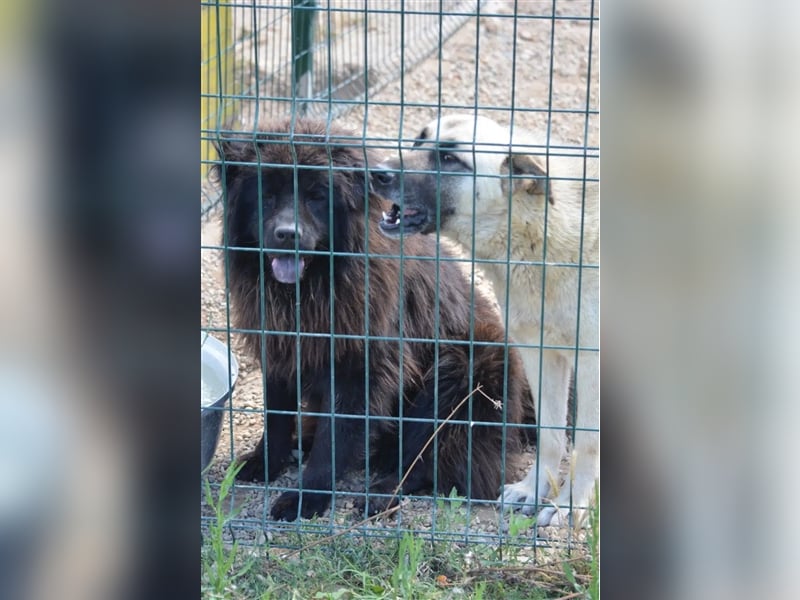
[
  {"x": 551, "y": 441},
  {"x": 578, "y": 490}
]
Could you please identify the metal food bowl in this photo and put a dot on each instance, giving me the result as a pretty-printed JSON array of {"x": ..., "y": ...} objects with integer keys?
[{"x": 217, "y": 385}]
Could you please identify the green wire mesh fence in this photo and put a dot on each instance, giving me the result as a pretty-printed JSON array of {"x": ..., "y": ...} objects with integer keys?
[
  {"x": 384, "y": 69},
  {"x": 316, "y": 57}
]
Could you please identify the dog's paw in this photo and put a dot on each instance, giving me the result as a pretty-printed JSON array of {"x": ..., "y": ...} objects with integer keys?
[
  {"x": 559, "y": 513},
  {"x": 379, "y": 503},
  {"x": 553, "y": 516},
  {"x": 285, "y": 507},
  {"x": 550, "y": 516},
  {"x": 376, "y": 505},
  {"x": 252, "y": 467},
  {"x": 519, "y": 496}
]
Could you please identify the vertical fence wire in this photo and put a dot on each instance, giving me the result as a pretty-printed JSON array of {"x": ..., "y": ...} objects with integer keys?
[
  {"x": 401, "y": 296},
  {"x": 507, "y": 290}
]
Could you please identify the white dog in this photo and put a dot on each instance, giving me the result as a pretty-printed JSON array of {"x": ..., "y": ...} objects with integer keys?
[{"x": 495, "y": 196}]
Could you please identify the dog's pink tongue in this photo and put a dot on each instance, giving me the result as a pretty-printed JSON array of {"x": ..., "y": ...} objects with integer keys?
[{"x": 285, "y": 269}]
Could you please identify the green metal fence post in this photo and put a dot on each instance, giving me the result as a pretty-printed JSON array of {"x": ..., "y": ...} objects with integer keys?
[{"x": 303, "y": 13}]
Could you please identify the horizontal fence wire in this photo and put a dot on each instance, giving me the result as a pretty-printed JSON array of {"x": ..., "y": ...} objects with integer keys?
[{"x": 329, "y": 59}]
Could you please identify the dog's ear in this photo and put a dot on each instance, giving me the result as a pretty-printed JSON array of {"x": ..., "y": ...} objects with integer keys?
[
  {"x": 421, "y": 138},
  {"x": 530, "y": 178},
  {"x": 359, "y": 183},
  {"x": 354, "y": 181},
  {"x": 231, "y": 175},
  {"x": 225, "y": 151},
  {"x": 231, "y": 151}
]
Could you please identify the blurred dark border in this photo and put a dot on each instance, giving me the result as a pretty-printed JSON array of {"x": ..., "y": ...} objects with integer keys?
[{"x": 125, "y": 83}]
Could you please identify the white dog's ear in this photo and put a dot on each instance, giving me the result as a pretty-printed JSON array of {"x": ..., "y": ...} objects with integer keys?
[{"x": 523, "y": 164}]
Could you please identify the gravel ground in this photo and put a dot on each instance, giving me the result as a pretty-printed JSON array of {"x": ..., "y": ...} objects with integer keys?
[{"x": 495, "y": 72}]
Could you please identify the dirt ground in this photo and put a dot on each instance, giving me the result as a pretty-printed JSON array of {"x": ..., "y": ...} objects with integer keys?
[{"x": 531, "y": 89}]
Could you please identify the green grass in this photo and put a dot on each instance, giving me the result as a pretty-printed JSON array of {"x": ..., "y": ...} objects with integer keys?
[
  {"x": 222, "y": 565},
  {"x": 352, "y": 567}
]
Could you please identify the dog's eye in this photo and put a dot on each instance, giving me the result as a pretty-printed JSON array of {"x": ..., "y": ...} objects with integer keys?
[
  {"x": 447, "y": 157},
  {"x": 319, "y": 195}
]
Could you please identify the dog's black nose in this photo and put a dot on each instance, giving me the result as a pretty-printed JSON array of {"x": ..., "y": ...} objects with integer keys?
[
  {"x": 285, "y": 233},
  {"x": 383, "y": 176}
]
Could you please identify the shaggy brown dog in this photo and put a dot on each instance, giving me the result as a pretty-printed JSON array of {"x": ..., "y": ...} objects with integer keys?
[{"x": 310, "y": 278}]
